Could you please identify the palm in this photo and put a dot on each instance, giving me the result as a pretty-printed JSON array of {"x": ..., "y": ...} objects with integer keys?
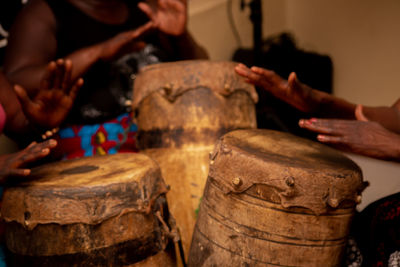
[
  {"x": 57, "y": 93},
  {"x": 50, "y": 107},
  {"x": 169, "y": 16}
]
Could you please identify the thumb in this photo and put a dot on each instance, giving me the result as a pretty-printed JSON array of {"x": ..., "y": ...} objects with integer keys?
[
  {"x": 22, "y": 97},
  {"x": 292, "y": 80},
  {"x": 359, "y": 113}
]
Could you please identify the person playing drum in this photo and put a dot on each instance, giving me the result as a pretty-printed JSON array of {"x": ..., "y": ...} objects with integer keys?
[
  {"x": 108, "y": 41},
  {"x": 369, "y": 131}
]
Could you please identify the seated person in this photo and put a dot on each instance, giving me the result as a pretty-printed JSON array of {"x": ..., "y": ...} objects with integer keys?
[
  {"x": 107, "y": 42},
  {"x": 369, "y": 131}
]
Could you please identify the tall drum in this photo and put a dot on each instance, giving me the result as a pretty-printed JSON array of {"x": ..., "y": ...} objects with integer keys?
[
  {"x": 97, "y": 211},
  {"x": 274, "y": 199},
  {"x": 182, "y": 110}
]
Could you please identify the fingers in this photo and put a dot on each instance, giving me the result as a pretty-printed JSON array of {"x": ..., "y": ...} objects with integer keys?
[
  {"x": 23, "y": 97},
  {"x": 31, "y": 153},
  {"x": 330, "y": 139},
  {"x": 263, "y": 72},
  {"x": 328, "y": 130},
  {"x": 66, "y": 82},
  {"x": 242, "y": 70},
  {"x": 252, "y": 75},
  {"x": 147, "y": 9},
  {"x": 75, "y": 88},
  {"x": 324, "y": 126},
  {"x": 36, "y": 151},
  {"x": 59, "y": 74},
  {"x": 359, "y": 113},
  {"x": 172, "y": 4},
  {"x": 292, "y": 80},
  {"x": 48, "y": 78}
]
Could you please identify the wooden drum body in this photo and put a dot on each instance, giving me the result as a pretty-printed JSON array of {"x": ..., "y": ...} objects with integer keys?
[
  {"x": 96, "y": 211},
  {"x": 274, "y": 199},
  {"x": 182, "y": 110}
]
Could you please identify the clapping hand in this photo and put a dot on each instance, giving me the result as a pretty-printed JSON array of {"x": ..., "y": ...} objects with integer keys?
[
  {"x": 169, "y": 16},
  {"x": 56, "y": 95}
]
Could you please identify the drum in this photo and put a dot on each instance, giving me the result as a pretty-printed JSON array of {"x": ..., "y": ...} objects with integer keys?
[
  {"x": 272, "y": 198},
  {"x": 182, "y": 108},
  {"x": 96, "y": 211}
]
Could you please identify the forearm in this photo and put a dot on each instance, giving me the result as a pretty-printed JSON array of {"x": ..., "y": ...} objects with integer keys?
[
  {"x": 330, "y": 106},
  {"x": 388, "y": 117},
  {"x": 83, "y": 59}
]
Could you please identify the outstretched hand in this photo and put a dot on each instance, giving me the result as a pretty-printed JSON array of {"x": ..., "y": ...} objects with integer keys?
[
  {"x": 12, "y": 164},
  {"x": 292, "y": 91},
  {"x": 361, "y": 137},
  {"x": 169, "y": 16},
  {"x": 55, "y": 97}
]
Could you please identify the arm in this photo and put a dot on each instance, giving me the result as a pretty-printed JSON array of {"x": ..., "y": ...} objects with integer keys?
[
  {"x": 317, "y": 102},
  {"x": 170, "y": 18},
  {"x": 388, "y": 117},
  {"x": 32, "y": 44},
  {"x": 298, "y": 94},
  {"x": 362, "y": 137}
]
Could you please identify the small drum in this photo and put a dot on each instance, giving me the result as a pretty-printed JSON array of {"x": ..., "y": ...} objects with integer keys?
[
  {"x": 182, "y": 109},
  {"x": 272, "y": 198},
  {"x": 95, "y": 211}
]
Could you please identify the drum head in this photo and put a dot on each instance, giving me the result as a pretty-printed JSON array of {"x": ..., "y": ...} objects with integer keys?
[
  {"x": 87, "y": 190},
  {"x": 299, "y": 172}
]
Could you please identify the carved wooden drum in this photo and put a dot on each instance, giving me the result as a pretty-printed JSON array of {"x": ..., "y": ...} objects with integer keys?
[
  {"x": 274, "y": 199},
  {"x": 97, "y": 211},
  {"x": 182, "y": 110}
]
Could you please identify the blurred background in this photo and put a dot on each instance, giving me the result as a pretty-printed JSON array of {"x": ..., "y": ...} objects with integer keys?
[{"x": 360, "y": 37}]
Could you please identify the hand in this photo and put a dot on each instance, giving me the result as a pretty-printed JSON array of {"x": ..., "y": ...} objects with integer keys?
[
  {"x": 362, "y": 137},
  {"x": 291, "y": 91},
  {"x": 169, "y": 16},
  {"x": 10, "y": 165},
  {"x": 113, "y": 47},
  {"x": 55, "y": 97}
]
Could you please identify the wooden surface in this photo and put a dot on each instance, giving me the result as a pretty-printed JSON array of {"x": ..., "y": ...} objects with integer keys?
[
  {"x": 275, "y": 199},
  {"x": 182, "y": 109},
  {"x": 95, "y": 211}
]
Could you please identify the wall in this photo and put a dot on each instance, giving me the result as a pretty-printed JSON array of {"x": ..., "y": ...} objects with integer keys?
[{"x": 362, "y": 37}]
